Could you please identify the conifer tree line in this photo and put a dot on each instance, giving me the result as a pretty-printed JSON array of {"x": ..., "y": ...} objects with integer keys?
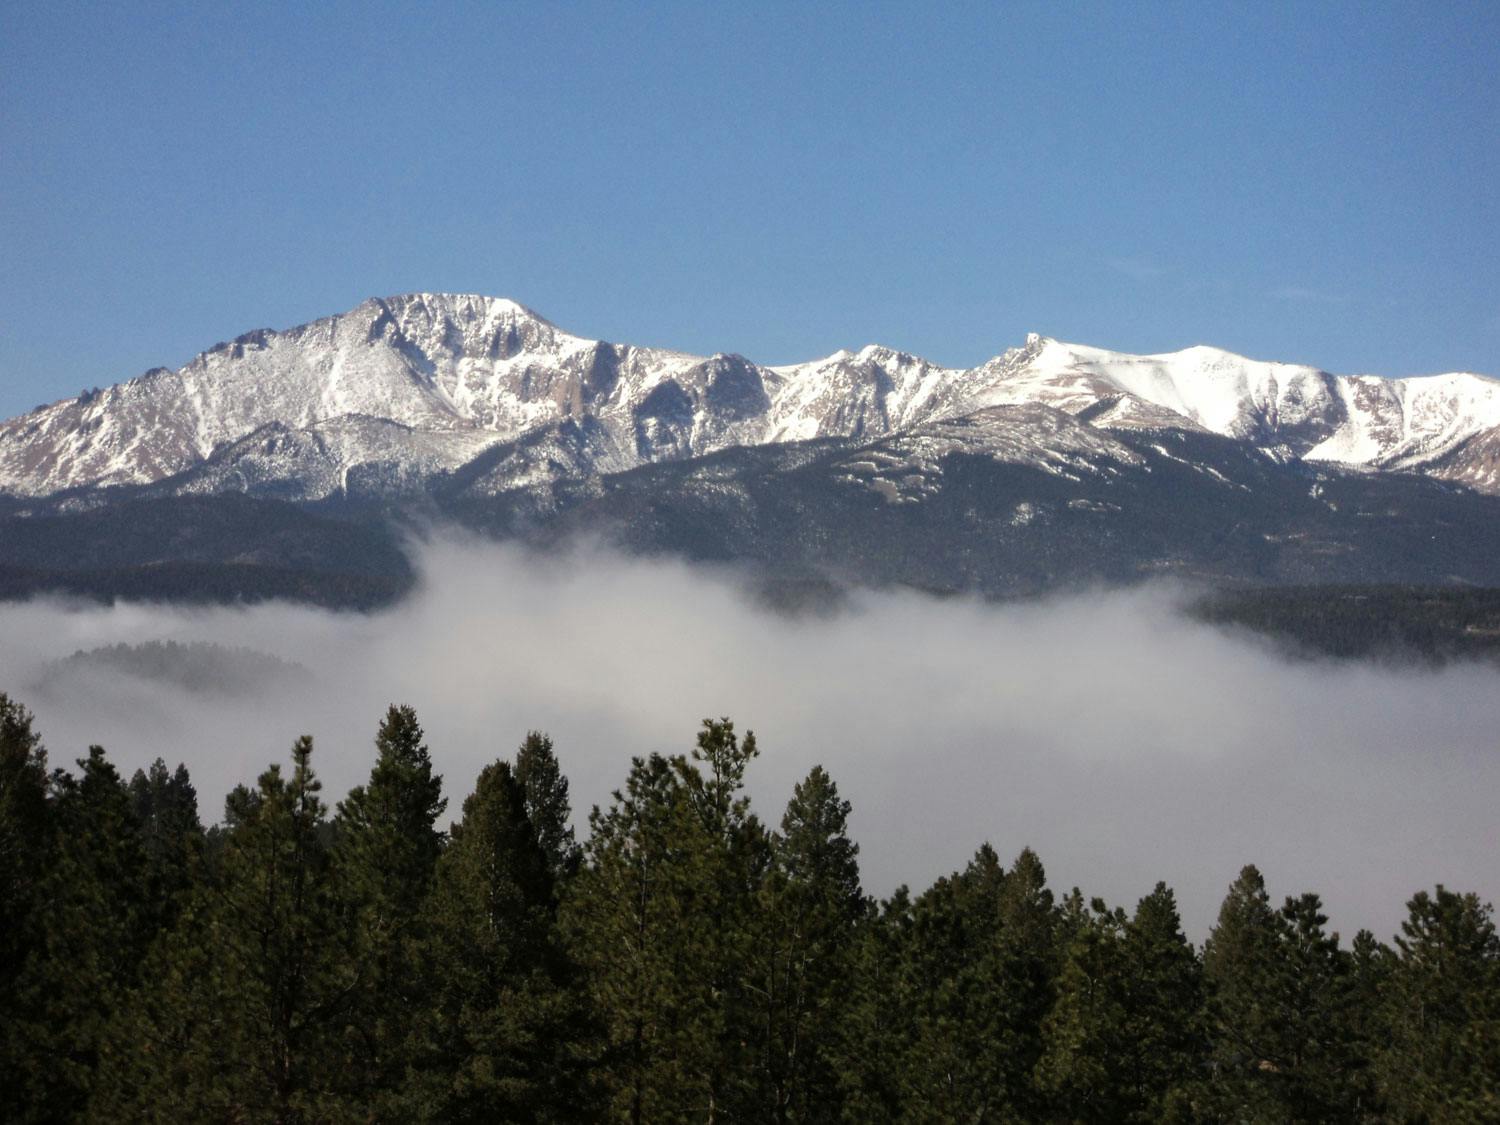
[{"x": 387, "y": 958}]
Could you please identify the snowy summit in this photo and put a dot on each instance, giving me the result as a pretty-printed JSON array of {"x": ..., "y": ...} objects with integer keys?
[{"x": 401, "y": 388}]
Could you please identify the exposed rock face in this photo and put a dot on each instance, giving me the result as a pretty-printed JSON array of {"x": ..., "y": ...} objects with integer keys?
[{"x": 399, "y": 392}]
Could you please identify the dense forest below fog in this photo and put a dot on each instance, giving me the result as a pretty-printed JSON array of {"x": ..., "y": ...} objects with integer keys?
[
  {"x": 685, "y": 962},
  {"x": 1431, "y": 625}
]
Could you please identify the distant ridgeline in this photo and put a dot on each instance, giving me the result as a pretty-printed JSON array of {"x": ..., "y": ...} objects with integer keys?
[
  {"x": 295, "y": 464},
  {"x": 1397, "y": 624},
  {"x": 195, "y": 667},
  {"x": 685, "y": 963}
]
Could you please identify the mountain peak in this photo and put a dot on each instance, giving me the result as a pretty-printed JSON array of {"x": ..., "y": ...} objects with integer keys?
[
  {"x": 1206, "y": 355},
  {"x": 464, "y": 305},
  {"x": 464, "y": 372}
]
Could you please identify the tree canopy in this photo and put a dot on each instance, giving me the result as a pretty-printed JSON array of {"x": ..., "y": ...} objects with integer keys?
[{"x": 681, "y": 962}]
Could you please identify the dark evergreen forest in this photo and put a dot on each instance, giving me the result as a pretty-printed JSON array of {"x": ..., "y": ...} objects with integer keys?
[{"x": 384, "y": 959}]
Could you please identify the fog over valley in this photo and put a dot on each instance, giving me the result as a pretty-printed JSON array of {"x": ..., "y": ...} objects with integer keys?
[{"x": 1122, "y": 741}]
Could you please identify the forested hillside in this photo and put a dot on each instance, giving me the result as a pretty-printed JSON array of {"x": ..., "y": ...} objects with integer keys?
[
  {"x": 685, "y": 962},
  {"x": 1396, "y": 624}
]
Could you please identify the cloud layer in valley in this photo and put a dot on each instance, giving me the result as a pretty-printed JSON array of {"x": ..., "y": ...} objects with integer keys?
[{"x": 1122, "y": 741}]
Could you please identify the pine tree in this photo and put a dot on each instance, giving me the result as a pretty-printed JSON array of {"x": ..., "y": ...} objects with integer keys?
[
  {"x": 386, "y": 848},
  {"x": 1024, "y": 973},
  {"x": 547, "y": 806},
  {"x": 166, "y": 807},
  {"x": 1370, "y": 967},
  {"x": 659, "y": 916},
  {"x": 1240, "y": 963},
  {"x": 1284, "y": 1045},
  {"x": 982, "y": 958},
  {"x": 25, "y": 836},
  {"x": 732, "y": 871},
  {"x": 810, "y": 910},
  {"x": 1119, "y": 1039},
  {"x": 1086, "y": 1066},
  {"x": 629, "y": 914},
  {"x": 686, "y": 965},
  {"x": 505, "y": 1034},
  {"x": 947, "y": 1069},
  {"x": 1442, "y": 1013},
  {"x": 90, "y": 930},
  {"x": 1322, "y": 1060},
  {"x": 1166, "y": 990},
  {"x": 872, "y": 1050},
  {"x": 246, "y": 1020}
]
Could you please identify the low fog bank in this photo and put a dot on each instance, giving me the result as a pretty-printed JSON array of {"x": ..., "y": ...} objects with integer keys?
[{"x": 1122, "y": 741}]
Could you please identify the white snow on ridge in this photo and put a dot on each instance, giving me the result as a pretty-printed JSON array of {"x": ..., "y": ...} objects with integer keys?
[
  {"x": 1405, "y": 423},
  {"x": 1218, "y": 390},
  {"x": 485, "y": 370},
  {"x": 875, "y": 390},
  {"x": 1364, "y": 420}
]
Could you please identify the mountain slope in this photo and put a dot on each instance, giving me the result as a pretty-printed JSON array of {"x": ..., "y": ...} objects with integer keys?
[
  {"x": 403, "y": 393},
  {"x": 1017, "y": 500}
]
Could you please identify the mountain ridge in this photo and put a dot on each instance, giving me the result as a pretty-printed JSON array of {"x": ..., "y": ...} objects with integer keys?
[{"x": 416, "y": 386}]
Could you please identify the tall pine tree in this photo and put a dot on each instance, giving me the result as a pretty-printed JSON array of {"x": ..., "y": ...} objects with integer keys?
[
  {"x": 732, "y": 871},
  {"x": 166, "y": 805},
  {"x": 1240, "y": 964},
  {"x": 91, "y": 927},
  {"x": 872, "y": 1049},
  {"x": 25, "y": 838},
  {"x": 982, "y": 958},
  {"x": 252, "y": 987},
  {"x": 659, "y": 915},
  {"x": 810, "y": 910},
  {"x": 1166, "y": 996},
  {"x": 386, "y": 845},
  {"x": 1441, "y": 1061},
  {"x": 1279, "y": 989},
  {"x": 505, "y": 1034},
  {"x": 546, "y": 789},
  {"x": 1119, "y": 1039},
  {"x": 1085, "y": 1067}
]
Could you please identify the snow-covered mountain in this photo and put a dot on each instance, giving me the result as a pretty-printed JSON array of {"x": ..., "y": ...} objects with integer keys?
[
  {"x": 404, "y": 390},
  {"x": 1432, "y": 423}
]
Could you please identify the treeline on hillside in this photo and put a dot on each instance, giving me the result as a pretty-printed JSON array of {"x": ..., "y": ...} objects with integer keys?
[
  {"x": 198, "y": 668},
  {"x": 206, "y": 583},
  {"x": 686, "y": 963},
  {"x": 1401, "y": 624}
]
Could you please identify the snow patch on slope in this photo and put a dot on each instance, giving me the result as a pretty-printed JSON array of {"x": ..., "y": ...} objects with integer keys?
[{"x": 436, "y": 379}]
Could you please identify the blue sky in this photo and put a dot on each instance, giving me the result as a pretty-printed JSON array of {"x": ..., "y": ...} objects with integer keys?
[{"x": 1308, "y": 181}]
